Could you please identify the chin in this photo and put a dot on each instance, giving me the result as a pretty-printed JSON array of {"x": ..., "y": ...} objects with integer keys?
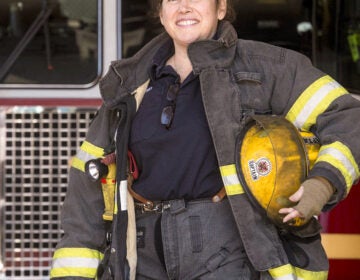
[{"x": 188, "y": 41}]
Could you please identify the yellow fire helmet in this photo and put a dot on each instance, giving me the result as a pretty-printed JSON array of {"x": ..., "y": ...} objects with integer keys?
[{"x": 272, "y": 160}]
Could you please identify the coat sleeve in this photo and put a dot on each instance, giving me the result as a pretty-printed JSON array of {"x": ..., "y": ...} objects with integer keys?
[
  {"x": 81, "y": 248},
  {"x": 314, "y": 101}
]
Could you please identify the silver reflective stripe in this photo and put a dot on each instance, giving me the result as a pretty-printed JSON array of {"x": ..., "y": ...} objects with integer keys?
[
  {"x": 335, "y": 153},
  {"x": 123, "y": 195},
  {"x": 314, "y": 102},
  {"x": 287, "y": 277},
  {"x": 84, "y": 156},
  {"x": 231, "y": 180}
]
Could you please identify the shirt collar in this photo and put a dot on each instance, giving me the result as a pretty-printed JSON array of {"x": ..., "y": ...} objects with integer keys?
[{"x": 159, "y": 66}]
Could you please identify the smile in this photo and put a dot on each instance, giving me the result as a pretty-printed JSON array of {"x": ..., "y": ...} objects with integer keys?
[{"x": 187, "y": 22}]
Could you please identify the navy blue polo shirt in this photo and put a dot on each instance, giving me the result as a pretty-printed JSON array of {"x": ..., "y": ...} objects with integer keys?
[{"x": 178, "y": 162}]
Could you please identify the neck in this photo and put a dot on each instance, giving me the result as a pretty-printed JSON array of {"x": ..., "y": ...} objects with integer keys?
[{"x": 181, "y": 63}]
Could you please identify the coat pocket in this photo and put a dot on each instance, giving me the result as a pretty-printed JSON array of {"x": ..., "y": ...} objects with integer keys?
[{"x": 252, "y": 91}]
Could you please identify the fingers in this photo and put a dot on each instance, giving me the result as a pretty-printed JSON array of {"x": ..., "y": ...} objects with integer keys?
[
  {"x": 219, "y": 196},
  {"x": 290, "y": 213}
]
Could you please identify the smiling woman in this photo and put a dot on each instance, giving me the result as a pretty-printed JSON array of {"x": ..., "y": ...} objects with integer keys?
[
  {"x": 187, "y": 22},
  {"x": 46, "y": 109},
  {"x": 190, "y": 21}
]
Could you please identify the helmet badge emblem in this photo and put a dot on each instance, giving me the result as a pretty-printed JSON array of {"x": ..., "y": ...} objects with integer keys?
[{"x": 260, "y": 167}]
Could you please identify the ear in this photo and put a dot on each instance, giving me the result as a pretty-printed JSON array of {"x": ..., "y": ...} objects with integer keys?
[
  {"x": 222, "y": 5},
  {"x": 161, "y": 17}
]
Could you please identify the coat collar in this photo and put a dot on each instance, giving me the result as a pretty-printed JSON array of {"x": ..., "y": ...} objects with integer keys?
[
  {"x": 219, "y": 53},
  {"x": 126, "y": 75}
]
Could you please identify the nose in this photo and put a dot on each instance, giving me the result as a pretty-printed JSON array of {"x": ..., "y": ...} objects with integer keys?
[{"x": 184, "y": 6}]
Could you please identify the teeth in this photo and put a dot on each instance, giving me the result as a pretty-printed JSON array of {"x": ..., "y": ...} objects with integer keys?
[{"x": 186, "y": 22}]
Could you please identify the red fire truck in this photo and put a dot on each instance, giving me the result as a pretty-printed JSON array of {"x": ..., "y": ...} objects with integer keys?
[{"x": 52, "y": 55}]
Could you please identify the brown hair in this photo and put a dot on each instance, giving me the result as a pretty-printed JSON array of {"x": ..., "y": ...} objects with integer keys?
[{"x": 155, "y": 6}]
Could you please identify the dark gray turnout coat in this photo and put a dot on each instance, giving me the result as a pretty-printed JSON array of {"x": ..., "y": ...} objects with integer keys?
[{"x": 237, "y": 78}]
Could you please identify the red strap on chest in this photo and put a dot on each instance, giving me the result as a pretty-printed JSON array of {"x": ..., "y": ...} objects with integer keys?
[{"x": 133, "y": 169}]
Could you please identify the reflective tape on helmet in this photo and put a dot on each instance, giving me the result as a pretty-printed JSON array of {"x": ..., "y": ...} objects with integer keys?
[
  {"x": 314, "y": 101},
  {"x": 289, "y": 272},
  {"x": 87, "y": 152},
  {"x": 231, "y": 180},
  {"x": 340, "y": 156},
  {"x": 75, "y": 262}
]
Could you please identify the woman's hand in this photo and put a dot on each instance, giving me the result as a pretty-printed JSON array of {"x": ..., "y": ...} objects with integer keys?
[
  {"x": 292, "y": 213},
  {"x": 311, "y": 197}
]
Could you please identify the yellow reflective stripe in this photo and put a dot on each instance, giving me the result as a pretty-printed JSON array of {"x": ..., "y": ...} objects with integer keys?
[
  {"x": 77, "y": 252},
  {"x": 340, "y": 156},
  {"x": 80, "y": 262},
  {"x": 314, "y": 101},
  {"x": 87, "y": 152},
  {"x": 231, "y": 180},
  {"x": 289, "y": 272},
  {"x": 92, "y": 149},
  {"x": 116, "y": 207},
  {"x": 78, "y": 164},
  {"x": 285, "y": 272},
  {"x": 73, "y": 272},
  {"x": 303, "y": 274}
]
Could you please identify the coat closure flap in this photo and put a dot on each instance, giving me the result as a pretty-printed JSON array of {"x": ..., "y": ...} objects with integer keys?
[{"x": 248, "y": 76}]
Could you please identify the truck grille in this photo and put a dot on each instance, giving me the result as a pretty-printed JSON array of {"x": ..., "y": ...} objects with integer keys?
[{"x": 35, "y": 149}]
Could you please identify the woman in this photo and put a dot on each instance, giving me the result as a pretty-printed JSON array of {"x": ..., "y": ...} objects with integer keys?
[{"x": 192, "y": 88}]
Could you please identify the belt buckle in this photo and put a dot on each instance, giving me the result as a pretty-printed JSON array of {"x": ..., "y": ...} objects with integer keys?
[{"x": 159, "y": 207}]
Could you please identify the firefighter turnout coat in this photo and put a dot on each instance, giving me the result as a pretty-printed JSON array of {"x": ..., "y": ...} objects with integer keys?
[{"x": 237, "y": 77}]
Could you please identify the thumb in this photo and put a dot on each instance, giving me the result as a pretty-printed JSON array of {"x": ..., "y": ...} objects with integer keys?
[
  {"x": 295, "y": 197},
  {"x": 220, "y": 195}
]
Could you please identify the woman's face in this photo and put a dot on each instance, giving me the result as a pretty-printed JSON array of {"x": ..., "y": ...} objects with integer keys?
[{"x": 187, "y": 21}]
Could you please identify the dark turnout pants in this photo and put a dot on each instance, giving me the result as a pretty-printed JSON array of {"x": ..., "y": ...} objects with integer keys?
[{"x": 191, "y": 240}]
